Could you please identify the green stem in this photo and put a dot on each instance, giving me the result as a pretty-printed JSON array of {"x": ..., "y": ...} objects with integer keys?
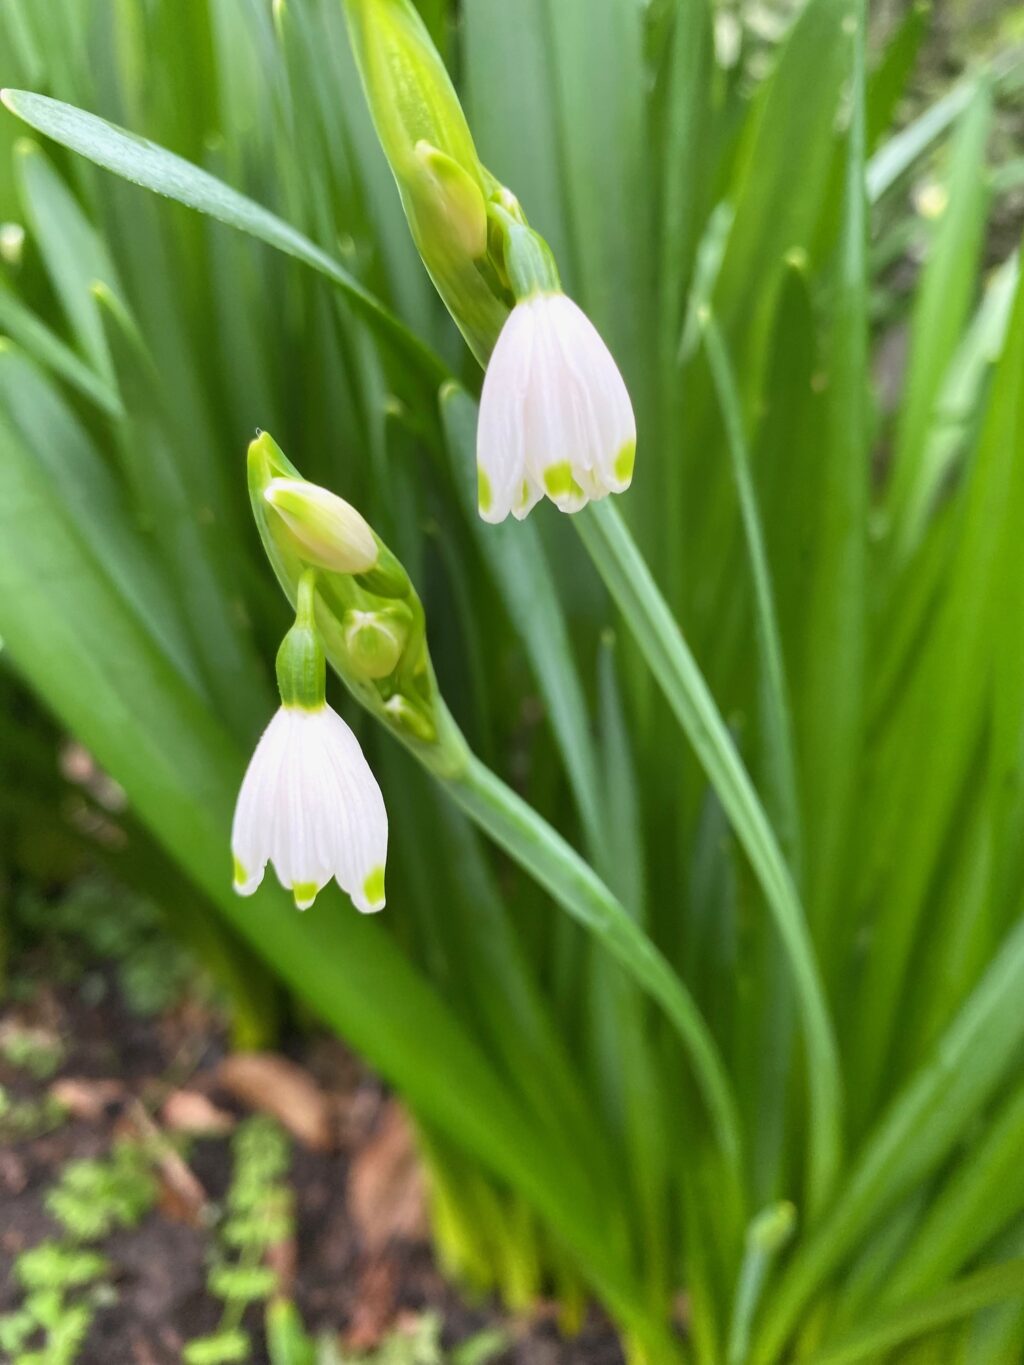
[
  {"x": 545, "y": 855},
  {"x": 657, "y": 633}
]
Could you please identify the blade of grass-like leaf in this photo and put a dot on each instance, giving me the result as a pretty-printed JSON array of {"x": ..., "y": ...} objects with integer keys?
[
  {"x": 943, "y": 298},
  {"x": 510, "y": 85},
  {"x": 780, "y": 766},
  {"x": 914, "y": 1136},
  {"x": 958, "y": 403},
  {"x": 29, "y": 331},
  {"x": 656, "y": 632},
  {"x": 830, "y": 676},
  {"x": 984, "y": 1192},
  {"x": 949, "y": 697},
  {"x": 995, "y": 1284},
  {"x": 895, "y": 157},
  {"x": 888, "y": 81},
  {"x": 143, "y": 163},
  {"x": 81, "y": 480},
  {"x": 194, "y": 544},
  {"x": 74, "y": 253}
]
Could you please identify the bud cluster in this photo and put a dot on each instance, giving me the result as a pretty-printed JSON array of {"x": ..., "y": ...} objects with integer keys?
[{"x": 368, "y": 619}]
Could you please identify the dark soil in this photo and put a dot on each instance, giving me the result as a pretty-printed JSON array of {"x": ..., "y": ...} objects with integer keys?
[{"x": 160, "y": 1267}]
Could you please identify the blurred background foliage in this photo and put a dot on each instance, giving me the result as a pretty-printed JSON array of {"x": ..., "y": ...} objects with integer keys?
[{"x": 679, "y": 159}]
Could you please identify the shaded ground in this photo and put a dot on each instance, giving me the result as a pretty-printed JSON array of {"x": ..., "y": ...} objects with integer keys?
[{"x": 360, "y": 1259}]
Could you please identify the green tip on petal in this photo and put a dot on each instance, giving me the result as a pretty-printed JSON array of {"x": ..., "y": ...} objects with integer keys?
[
  {"x": 483, "y": 484},
  {"x": 559, "y": 481},
  {"x": 240, "y": 874},
  {"x": 373, "y": 888},
  {"x": 305, "y": 894},
  {"x": 625, "y": 461}
]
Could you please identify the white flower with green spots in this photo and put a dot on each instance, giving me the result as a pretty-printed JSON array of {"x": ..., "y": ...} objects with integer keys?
[
  {"x": 310, "y": 805},
  {"x": 555, "y": 416}
]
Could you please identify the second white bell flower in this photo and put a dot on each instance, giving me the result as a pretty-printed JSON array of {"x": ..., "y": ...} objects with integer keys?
[
  {"x": 555, "y": 416},
  {"x": 310, "y": 805}
]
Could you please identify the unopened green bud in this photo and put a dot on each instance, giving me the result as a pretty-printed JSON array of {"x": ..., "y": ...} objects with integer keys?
[
  {"x": 427, "y": 142},
  {"x": 375, "y": 640},
  {"x": 410, "y": 93},
  {"x": 331, "y": 533},
  {"x": 301, "y": 665},
  {"x": 403, "y": 714},
  {"x": 454, "y": 198}
]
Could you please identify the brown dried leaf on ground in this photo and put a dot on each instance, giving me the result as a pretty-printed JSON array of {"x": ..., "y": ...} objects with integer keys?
[
  {"x": 87, "y": 1099},
  {"x": 188, "y": 1111},
  {"x": 276, "y": 1086},
  {"x": 386, "y": 1192}
]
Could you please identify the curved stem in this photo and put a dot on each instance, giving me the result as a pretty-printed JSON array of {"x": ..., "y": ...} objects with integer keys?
[
  {"x": 657, "y": 633},
  {"x": 545, "y": 855}
]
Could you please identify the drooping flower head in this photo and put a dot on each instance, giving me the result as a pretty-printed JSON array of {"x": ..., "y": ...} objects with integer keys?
[
  {"x": 555, "y": 416},
  {"x": 309, "y": 803}
]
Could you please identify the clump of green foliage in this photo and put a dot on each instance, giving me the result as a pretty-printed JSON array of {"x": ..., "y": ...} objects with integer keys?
[
  {"x": 763, "y": 236},
  {"x": 67, "y": 1279}
]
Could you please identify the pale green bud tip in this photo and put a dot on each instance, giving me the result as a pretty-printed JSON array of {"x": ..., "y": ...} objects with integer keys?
[
  {"x": 330, "y": 533},
  {"x": 457, "y": 197}
]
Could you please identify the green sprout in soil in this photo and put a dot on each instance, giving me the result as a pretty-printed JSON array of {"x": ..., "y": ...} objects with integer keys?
[{"x": 66, "y": 1280}]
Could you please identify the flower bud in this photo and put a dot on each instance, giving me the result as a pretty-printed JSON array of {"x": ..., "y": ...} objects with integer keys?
[
  {"x": 455, "y": 199},
  {"x": 331, "y": 533},
  {"x": 375, "y": 640},
  {"x": 427, "y": 142}
]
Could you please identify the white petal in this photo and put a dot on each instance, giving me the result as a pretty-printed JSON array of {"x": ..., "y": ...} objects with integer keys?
[
  {"x": 610, "y": 426},
  {"x": 501, "y": 434},
  {"x": 361, "y": 841},
  {"x": 254, "y": 810}
]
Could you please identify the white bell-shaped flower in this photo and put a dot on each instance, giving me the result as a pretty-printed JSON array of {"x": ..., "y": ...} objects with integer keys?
[
  {"x": 310, "y": 805},
  {"x": 555, "y": 416}
]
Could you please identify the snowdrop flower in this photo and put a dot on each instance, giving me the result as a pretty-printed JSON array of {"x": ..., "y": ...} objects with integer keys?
[
  {"x": 555, "y": 417},
  {"x": 309, "y": 803}
]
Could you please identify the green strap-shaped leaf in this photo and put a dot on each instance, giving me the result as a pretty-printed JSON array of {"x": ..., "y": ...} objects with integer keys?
[{"x": 144, "y": 163}]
